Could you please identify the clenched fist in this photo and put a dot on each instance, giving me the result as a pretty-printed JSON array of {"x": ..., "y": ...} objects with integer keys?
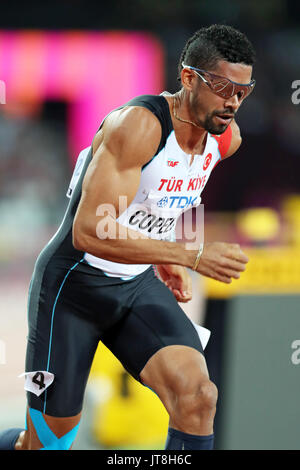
[{"x": 222, "y": 261}]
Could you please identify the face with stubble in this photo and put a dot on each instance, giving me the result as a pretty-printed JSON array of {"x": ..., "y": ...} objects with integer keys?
[{"x": 211, "y": 111}]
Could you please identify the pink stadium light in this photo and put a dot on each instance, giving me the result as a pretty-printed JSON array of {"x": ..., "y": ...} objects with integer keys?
[
  {"x": 2, "y": 92},
  {"x": 94, "y": 72}
]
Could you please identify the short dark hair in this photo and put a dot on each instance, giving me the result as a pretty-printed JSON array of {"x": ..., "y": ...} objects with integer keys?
[{"x": 216, "y": 42}]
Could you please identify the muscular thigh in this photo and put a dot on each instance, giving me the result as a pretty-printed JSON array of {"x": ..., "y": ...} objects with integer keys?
[
  {"x": 68, "y": 311},
  {"x": 154, "y": 321}
]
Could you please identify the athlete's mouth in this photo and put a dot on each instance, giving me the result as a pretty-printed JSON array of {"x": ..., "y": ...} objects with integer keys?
[{"x": 224, "y": 118}]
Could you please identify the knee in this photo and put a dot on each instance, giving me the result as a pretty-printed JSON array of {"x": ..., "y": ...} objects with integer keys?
[
  {"x": 179, "y": 377},
  {"x": 207, "y": 395},
  {"x": 198, "y": 399}
]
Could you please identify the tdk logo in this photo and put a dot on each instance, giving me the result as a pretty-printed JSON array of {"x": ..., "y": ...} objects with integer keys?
[
  {"x": 163, "y": 202},
  {"x": 177, "y": 202}
]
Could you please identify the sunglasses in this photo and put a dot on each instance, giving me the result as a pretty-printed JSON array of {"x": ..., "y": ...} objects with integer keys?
[{"x": 222, "y": 86}]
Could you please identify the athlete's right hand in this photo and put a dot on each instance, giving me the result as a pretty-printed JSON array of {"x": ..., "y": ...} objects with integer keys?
[{"x": 222, "y": 261}]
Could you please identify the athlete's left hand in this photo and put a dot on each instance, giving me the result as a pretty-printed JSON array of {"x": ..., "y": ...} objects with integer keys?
[{"x": 177, "y": 279}]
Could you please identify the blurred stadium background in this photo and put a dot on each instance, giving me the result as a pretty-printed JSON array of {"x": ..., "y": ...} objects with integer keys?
[{"x": 65, "y": 64}]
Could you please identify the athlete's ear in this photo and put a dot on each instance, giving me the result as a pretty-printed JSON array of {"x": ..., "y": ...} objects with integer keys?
[{"x": 187, "y": 79}]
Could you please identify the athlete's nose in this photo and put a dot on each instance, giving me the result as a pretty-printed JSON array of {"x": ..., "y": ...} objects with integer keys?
[{"x": 233, "y": 103}]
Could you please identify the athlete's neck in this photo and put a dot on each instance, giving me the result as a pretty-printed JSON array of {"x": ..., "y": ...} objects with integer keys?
[{"x": 190, "y": 136}]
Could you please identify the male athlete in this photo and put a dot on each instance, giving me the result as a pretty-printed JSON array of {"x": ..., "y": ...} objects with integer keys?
[{"x": 95, "y": 278}]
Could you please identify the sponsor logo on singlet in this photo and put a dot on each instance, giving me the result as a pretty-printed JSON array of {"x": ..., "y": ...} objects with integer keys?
[
  {"x": 177, "y": 202},
  {"x": 163, "y": 202}
]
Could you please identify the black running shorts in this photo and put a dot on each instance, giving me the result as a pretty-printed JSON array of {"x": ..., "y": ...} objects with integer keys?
[{"x": 72, "y": 306}]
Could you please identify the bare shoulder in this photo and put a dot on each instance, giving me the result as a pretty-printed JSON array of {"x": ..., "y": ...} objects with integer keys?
[
  {"x": 236, "y": 139},
  {"x": 132, "y": 133}
]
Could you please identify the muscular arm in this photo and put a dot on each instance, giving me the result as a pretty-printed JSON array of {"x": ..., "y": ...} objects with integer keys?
[{"x": 129, "y": 138}]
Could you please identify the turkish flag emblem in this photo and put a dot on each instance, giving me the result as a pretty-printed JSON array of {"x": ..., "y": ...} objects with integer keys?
[{"x": 207, "y": 161}]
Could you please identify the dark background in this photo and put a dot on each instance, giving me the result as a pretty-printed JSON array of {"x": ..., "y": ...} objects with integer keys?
[{"x": 266, "y": 167}]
